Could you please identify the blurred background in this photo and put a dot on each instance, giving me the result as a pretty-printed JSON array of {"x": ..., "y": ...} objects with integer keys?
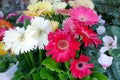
[{"x": 13, "y": 5}]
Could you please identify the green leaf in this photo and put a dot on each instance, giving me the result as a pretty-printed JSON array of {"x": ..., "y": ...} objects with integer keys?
[
  {"x": 116, "y": 70},
  {"x": 47, "y": 74},
  {"x": 67, "y": 65},
  {"x": 32, "y": 71},
  {"x": 36, "y": 76},
  {"x": 86, "y": 78},
  {"x": 26, "y": 23},
  {"x": 18, "y": 76},
  {"x": 63, "y": 76},
  {"x": 115, "y": 53},
  {"x": 52, "y": 65},
  {"x": 6, "y": 61},
  {"x": 116, "y": 31},
  {"x": 94, "y": 78},
  {"x": 3, "y": 66},
  {"x": 70, "y": 76},
  {"x": 99, "y": 76}
]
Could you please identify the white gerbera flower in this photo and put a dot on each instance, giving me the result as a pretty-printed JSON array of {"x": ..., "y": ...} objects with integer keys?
[
  {"x": 41, "y": 28},
  {"x": 19, "y": 40}
]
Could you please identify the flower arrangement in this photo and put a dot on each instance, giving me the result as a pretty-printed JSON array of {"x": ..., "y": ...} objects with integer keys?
[{"x": 57, "y": 39}]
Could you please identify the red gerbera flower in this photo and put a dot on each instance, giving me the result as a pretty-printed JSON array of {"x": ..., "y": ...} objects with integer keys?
[
  {"x": 84, "y": 15},
  {"x": 2, "y": 30},
  {"x": 88, "y": 35},
  {"x": 80, "y": 67},
  {"x": 4, "y": 25},
  {"x": 62, "y": 46}
]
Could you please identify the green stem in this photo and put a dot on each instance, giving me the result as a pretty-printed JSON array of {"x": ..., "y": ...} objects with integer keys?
[
  {"x": 60, "y": 18},
  {"x": 25, "y": 55},
  {"x": 31, "y": 58},
  {"x": 40, "y": 56}
]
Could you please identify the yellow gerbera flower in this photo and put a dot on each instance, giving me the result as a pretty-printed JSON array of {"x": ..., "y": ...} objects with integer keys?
[
  {"x": 33, "y": 7},
  {"x": 45, "y": 5},
  {"x": 2, "y": 51},
  {"x": 39, "y": 8}
]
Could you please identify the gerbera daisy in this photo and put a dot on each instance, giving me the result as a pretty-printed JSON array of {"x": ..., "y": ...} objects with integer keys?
[
  {"x": 63, "y": 11},
  {"x": 2, "y": 30},
  {"x": 88, "y": 36},
  {"x": 19, "y": 40},
  {"x": 4, "y": 23},
  {"x": 69, "y": 27},
  {"x": 80, "y": 67},
  {"x": 62, "y": 46},
  {"x": 2, "y": 51},
  {"x": 54, "y": 25},
  {"x": 22, "y": 18},
  {"x": 41, "y": 28},
  {"x": 85, "y": 3},
  {"x": 85, "y": 16}
]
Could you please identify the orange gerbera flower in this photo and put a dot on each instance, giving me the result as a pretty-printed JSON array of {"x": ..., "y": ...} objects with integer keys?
[{"x": 4, "y": 23}]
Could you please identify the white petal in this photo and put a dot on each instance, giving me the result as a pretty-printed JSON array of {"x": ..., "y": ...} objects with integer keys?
[
  {"x": 104, "y": 49},
  {"x": 114, "y": 44},
  {"x": 105, "y": 60},
  {"x": 101, "y": 30},
  {"x": 107, "y": 40}
]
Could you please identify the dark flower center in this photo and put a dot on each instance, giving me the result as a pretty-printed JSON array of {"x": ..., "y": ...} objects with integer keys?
[
  {"x": 82, "y": 18},
  {"x": 63, "y": 44},
  {"x": 80, "y": 65}
]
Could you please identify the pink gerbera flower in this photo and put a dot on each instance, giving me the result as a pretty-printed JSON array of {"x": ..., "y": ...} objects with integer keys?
[
  {"x": 80, "y": 67},
  {"x": 84, "y": 15},
  {"x": 88, "y": 36},
  {"x": 68, "y": 26},
  {"x": 62, "y": 46},
  {"x": 63, "y": 11}
]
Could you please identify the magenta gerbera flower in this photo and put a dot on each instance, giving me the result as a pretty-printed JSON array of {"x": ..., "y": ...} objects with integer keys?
[
  {"x": 62, "y": 46},
  {"x": 84, "y": 15},
  {"x": 89, "y": 37},
  {"x": 80, "y": 67}
]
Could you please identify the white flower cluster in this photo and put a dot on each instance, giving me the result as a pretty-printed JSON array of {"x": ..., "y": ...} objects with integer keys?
[{"x": 21, "y": 40}]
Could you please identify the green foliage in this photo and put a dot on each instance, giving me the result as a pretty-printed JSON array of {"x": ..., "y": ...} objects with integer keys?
[
  {"x": 99, "y": 76},
  {"x": 52, "y": 65},
  {"x": 6, "y": 61},
  {"x": 45, "y": 73},
  {"x": 109, "y": 9}
]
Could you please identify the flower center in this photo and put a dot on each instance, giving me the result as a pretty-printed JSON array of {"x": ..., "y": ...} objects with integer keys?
[
  {"x": 22, "y": 37},
  {"x": 80, "y": 65},
  {"x": 82, "y": 18},
  {"x": 63, "y": 44}
]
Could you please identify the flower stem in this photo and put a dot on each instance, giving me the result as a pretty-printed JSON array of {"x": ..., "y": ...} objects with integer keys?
[
  {"x": 40, "y": 56},
  {"x": 25, "y": 55},
  {"x": 31, "y": 58}
]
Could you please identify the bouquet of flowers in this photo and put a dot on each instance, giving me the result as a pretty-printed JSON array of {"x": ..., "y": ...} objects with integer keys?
[{"x": 58, "y": 39}]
